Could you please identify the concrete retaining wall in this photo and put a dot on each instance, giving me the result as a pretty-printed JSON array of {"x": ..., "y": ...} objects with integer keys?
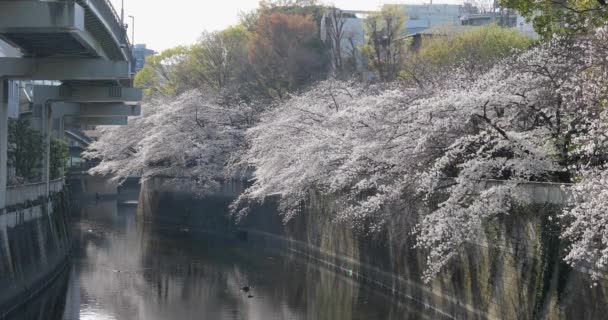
[
  {"x": 21, "y": 194},
  {"x": 514, "y": 272},
  {"x": 34, "y": 245},
  {"x": 92, "y": 186},
  {"x": 157, "y": 204}
]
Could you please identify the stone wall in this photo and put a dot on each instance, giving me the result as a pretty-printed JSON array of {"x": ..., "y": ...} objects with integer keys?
[{"x": 34, "y": 245}]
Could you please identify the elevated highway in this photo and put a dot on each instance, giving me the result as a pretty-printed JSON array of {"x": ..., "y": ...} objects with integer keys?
[{"x": 80, "y": 45}]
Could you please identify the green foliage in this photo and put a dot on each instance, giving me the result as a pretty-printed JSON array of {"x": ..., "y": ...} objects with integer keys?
[
  {"x": 558, "y": 17},
  {"x": 59, "y": 158},
  {"x": 163, "y": 73},
  {"x": 482, "y": 45},
  {"x": 219, "y": 59},
  {"x": 474, "y": 50},
  {"x": 286, "y": 53},
  {"x": 276, "y": 49},
  {"x": 385, "y": 49},
  {"x": 312, "y": 8},
  {"x": 25, "y": 149}
]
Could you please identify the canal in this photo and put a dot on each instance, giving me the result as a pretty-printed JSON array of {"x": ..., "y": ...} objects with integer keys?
[{"x": 125, "y": 268}]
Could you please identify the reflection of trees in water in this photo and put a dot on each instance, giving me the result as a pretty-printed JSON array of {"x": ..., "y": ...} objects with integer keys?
[
  {"x": 183, "y": 273},
  {"x": 331, "y": 291},
  {"x": 137, "y": 270},
  {"x": 186, "y": 267},
  {"x": 324, "y": 294},
  {"x": 174, "y": 208},
  {"x": 107, "y": 270},
  {"x": 283, "y": 287}
]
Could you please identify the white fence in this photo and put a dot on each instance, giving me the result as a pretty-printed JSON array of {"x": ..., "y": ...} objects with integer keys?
[
  {"x": 538, "y": 192},
  {"x": 29, "y": 192}
]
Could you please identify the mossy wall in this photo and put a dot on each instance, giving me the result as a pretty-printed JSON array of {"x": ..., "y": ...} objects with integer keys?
[{"x": 515, "y": 271}]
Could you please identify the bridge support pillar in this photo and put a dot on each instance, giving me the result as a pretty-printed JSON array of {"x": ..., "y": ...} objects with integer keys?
[
  {"x": 46, "y": 131},
  {"x": 3, "y": 140}
]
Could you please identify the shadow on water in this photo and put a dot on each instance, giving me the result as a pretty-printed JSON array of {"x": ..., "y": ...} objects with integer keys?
[
  {"x": 124, "y": 268},
  {"x": 49, "y": 305}
]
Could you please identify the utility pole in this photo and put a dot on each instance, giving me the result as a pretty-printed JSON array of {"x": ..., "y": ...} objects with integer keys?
[
  {"x": 122, "y": 13},
  {"x": 132, "y": 30},
  {"x": 3, "y": 140}
]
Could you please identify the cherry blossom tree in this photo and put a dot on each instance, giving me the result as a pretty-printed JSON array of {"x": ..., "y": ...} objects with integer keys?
[
  {"x": 337, "y": 138},
  {"x": 443, "y": 160},
  {"x": 189, "y": 138},
  {"x": 383, "y": 147},
  {"x": 585, "y": 216}
]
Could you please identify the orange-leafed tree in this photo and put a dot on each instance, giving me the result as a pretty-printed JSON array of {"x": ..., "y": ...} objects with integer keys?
[{"x": 285, "y": 52}]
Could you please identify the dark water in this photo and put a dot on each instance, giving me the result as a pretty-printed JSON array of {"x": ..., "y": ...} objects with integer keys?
[{"x": 126, "y": 269}]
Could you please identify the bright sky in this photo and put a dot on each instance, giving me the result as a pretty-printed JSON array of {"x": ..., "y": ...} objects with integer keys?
[{"x": 165, "y": 24}]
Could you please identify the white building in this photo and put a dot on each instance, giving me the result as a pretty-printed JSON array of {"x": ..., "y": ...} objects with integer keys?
[{"x": 424, "y": 16}]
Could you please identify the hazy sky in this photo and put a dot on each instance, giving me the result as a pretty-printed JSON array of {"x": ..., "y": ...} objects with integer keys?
[{"x": 165, "y": 24}]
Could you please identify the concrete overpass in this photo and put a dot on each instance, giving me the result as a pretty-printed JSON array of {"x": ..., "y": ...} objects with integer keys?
[{"x": 83, "y": 46}]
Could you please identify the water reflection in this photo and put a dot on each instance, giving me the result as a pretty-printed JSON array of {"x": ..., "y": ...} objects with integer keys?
[
  {"x": 49, "y": 305},
  {"x": 124, "y": 269}
]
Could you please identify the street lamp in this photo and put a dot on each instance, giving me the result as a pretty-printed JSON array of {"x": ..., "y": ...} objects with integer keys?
[{"x": 132, "y": 30}]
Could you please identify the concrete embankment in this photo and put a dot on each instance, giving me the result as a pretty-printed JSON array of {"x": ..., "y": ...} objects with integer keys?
[
  {"x": 515, "y": 271},
  {"x": 34, "y": 247}
]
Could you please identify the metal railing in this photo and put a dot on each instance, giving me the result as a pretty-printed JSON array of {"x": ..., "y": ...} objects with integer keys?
[
  {"x": 113, "y": 21},
  {"x": 20, "y": 194},
  {"x": 79, "y": 135}
]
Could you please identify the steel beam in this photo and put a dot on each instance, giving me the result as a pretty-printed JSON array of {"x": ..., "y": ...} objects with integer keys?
[
  {"x": 64, "y": 69},
  {"x": 3, "y": 141},
  {"x": 35, "y": 16},
  {"x": 25, "y": 23},
  {"x": 108, "y": 121},
  {"x": 87, "y": 94},
  {"x": 15, "y": 68},
  {"x": 109, "y": 110},
  {"x": 101, "y": 95},
  {"x": 45, "y": 97},
  {"x": 96, "y": 110}
]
